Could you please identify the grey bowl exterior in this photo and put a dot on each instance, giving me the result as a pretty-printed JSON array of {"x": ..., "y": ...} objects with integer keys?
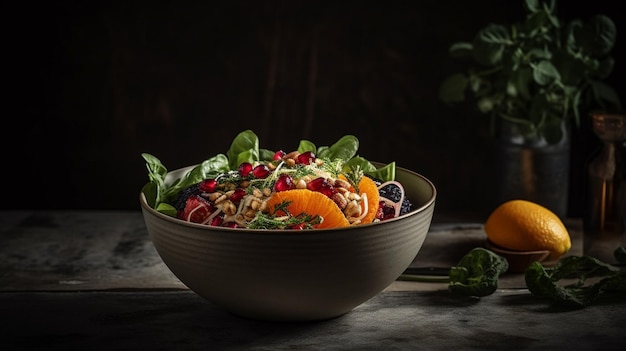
[{"x": 293, "y": 276}]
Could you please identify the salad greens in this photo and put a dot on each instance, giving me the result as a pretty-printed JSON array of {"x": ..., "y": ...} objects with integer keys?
[
  {"x": 477, "y": 273},
  {"x": 544, "y": 282},
  {"x": 245, "y": 148}
]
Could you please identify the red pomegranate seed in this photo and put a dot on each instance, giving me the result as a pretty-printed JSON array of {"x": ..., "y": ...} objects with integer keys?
[
  {"x": 316, "y": 184},
  {"x": 284, "y": 182},
  {"x": 306, "y": 158},
  {"x": 322, "y": 185},
  {"x": 278, "y": 155},
  {"x": 260, "y": 171},
  {"x": 244, "y": 169},
  {"x": 237, "y": 195},
  {"x": 208, "y": 185}
]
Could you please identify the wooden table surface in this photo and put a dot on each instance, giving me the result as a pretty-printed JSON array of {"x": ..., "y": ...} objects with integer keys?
[{"x": 91, "y": 280}]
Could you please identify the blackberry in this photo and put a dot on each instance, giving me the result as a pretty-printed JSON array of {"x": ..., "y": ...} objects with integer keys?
[
  {"x": 391, "y": 192},
  {"x": 394, "y": 193},
  {"x": 407, "y": 206},
  {"x": 184, "y": 194}
]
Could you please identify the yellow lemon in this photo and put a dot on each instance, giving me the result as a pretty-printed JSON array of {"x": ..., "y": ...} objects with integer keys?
[{"x": 522, "y": 225}]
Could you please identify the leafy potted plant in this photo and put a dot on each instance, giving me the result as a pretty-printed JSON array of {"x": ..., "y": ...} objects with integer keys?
[{"x": 536, "y": 77}]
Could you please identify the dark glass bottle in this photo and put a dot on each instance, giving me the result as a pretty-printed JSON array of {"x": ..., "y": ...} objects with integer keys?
[{"x": 604, "y": 219}]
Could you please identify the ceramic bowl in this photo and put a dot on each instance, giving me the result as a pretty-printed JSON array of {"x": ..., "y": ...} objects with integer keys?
[{"x": 283, "y": 275}]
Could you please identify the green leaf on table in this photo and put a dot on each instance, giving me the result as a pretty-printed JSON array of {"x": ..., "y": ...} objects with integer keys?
[
  {"x": 477, "y": 273},
  {"x": 544, "y": 282}
]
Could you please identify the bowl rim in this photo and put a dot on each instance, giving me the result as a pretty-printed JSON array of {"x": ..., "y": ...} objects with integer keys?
[{"x": 144, "y": 205}]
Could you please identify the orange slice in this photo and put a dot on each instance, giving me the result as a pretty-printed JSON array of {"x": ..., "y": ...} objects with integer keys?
[
  {"x": 369, "y": 187},
  {"x": 312, "y": 203}
]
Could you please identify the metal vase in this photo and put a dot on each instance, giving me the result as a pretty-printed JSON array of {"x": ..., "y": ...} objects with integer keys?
[{"x": 533, "y": 170}]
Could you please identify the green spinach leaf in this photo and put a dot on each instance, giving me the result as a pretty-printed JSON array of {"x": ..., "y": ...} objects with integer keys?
[
  {"x": 544, "y": 282},
  {"x": 477, "y": 273},
  {"x": 207, "y": 169},
  {"x": 306, "y": 145},
  {"x": 344, "y": 149},
  {"x": 244, "y": 148},
  {"x": 266, "y": 155},
  {"x": 153, "y": 191}
]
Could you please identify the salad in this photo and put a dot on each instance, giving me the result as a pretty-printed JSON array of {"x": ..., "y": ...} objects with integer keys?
[{"x": 250, "y": 187}]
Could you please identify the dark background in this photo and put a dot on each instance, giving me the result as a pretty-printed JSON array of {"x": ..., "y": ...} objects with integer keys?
[{"x": 92, "y": 85}]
